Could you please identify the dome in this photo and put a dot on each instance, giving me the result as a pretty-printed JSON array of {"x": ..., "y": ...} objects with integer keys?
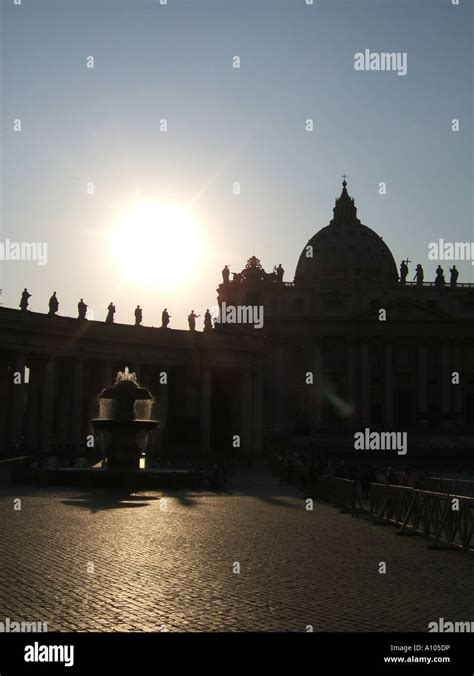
[{"x": 346, "y": 252}]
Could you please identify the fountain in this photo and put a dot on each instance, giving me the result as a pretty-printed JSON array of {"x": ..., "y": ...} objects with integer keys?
[
  {"x": 124, "y": 417},
  {"x": 123, "y": 428}
]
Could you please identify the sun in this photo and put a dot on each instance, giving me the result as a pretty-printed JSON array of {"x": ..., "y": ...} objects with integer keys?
[{"x": 157, "y": 243}]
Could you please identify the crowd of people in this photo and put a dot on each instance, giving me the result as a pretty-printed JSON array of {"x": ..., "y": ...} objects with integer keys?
[
  {"x": 302, "y": 468},
  {"x": 211, "y": 473},
  {"x": 299, "y": 467}
]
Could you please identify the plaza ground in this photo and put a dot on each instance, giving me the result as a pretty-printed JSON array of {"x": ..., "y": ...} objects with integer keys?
[{"x": 110, "y": 562}]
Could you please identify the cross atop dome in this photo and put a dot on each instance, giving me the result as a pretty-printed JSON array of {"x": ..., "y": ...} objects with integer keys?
[{"x": 345, "y": 211}]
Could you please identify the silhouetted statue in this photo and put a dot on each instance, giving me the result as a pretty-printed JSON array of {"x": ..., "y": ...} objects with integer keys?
[
  {"x": 207, "y": 321},
  {"x": 454, "y": 276},
  {"x": 192, "y": 320},
  {"x": 226, "y": 274},
  {"x": 237, "y": 277},
  {"x": 24, "y": 299},
  {"x": 53, "y": 304},
  {"x": 404, "y": 271},
  {"x": 279, "y": 273},
  {"x": 419, "y": 275},
  {"x": 81, "y": 309},
  {"x": 138, "y": 315},
  {"x": 165, "y": 319},
  {"x": 110, "y": 314},
  {"x": 439, "y": 281}
]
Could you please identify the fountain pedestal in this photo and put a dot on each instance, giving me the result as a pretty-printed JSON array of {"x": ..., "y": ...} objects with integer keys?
[{"x": 118, "y": 426}]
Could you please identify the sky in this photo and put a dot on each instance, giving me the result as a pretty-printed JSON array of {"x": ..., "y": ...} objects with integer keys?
[{"x": 103, "y": 127}]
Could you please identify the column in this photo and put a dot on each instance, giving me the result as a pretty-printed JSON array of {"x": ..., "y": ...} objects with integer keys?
[
  {"x": 352, "y": 382},
  {"x": 257, "y": 412},
  {"x": 33, "y": 404},
  {"x": 91, "y": 387},
  {"x": 280, "y": 389},
  {"x": 247, "y": 411},
  {"x": 162, "y": 415},
  {"x": 108, "y": 374},
  {"x": 163, "y": 408},
  {"x": 318, "y": 384},
  {"x": 364, "y": 384},
  {"x": 18, "y": 401},
  {"x": 47, "y": 403},
  {"x": 388, "y": 385},
  {"x": 63, "y": 426},
  {"x": 445, "y": 379},
  {"x": 457, "y": 389},
  {"x": 77, "y": 403},
  {"x": 5, "y": 384},
  {"x": 205, "y": 422},
  {"x": 422, "y": 382}
]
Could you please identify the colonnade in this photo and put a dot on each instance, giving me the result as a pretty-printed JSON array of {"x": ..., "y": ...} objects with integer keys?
[{"x": 48, "y": 400}]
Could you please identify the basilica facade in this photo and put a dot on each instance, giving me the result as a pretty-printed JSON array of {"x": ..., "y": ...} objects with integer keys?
[
  {"x": 346, "y": 345},
  {"x": 351, "y": 344}
]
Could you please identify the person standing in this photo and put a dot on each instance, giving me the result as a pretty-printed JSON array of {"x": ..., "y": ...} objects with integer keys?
[
  {"x": 24, "y": 300},
  {"x": 53, "y": 304}
]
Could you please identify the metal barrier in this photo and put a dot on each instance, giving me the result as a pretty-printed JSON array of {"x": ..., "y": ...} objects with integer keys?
[
  {"x": 10, "y": 466},
  {"x": 445, "y": 518},
  {"x": 453, "y": 486},
  {"x": 339, "y": 492},
  {"x": 15, "y": 459},
  {"x": 389, "y": 504}
]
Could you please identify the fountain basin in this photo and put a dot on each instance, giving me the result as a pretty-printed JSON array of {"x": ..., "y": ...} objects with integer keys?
[{"x": 119, "y": 440}]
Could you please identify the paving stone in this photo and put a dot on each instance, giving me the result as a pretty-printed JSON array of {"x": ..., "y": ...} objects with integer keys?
[{"x": 172, "y": 571}]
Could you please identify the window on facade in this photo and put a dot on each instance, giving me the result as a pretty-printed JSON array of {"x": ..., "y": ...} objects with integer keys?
[
  {"x": 405, "y": 408},
  {"x": 333, "y": 353},
  {"x": 375, "y": 358},
  {"x": 376, "y": 413},
  {"x": 334, "y": 302},
  {"x": 405, "y": 356}
]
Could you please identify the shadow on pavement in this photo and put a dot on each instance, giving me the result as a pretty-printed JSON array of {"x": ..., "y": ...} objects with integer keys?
[{"x": 111, "y": 500}]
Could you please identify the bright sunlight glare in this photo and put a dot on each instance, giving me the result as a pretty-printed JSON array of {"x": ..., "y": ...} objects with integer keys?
[{"x": 157, "y": 243}]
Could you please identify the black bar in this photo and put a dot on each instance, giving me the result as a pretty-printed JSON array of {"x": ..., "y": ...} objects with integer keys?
[{"x": 324, "y": 653}]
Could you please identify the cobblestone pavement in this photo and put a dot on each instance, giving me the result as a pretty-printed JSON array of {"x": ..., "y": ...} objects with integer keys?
[{"x": 173, "y": 569}]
